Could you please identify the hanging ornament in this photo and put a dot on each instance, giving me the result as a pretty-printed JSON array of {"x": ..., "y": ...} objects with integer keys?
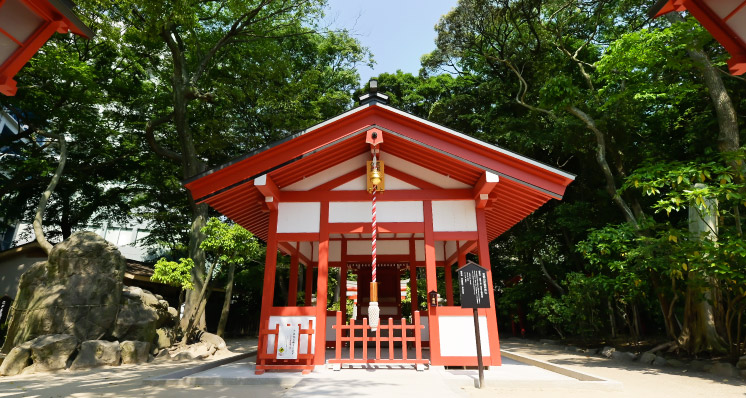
[{"x": 373, "y": 310}]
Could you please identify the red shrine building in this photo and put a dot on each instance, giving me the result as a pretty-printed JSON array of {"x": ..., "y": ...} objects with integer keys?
[{"x": 440, "y": 195}]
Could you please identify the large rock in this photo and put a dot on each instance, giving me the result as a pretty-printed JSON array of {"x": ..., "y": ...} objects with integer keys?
[
  {"x": 136, "y": 321},
  {"x": 95, "y": 353},
  {"x": 164, "y": 338},
  {"x": 134, "y": 352},
  {"x": 608, "y": 351},
  {"x": 647, "y": 358},
  {"x": 141, "y": 314},
  {"x": 76, "y": 292},
  {"x": 150, "y": 300},
  {"x": 132, "y": 292},
  {"x": 212, "y": 339},
  {"x": 698, "y": 365},
  {"x": 52, "y": 352},
  {"x": 741, "y": 362},
  {"x": 17, "y": 359},
  {"x": 659, "y": 361},
  {"x": 622, "y": 356},
  {"x": 723, "y": 369}
]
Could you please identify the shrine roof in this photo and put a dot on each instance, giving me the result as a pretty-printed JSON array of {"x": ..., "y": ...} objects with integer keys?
[{"x": 524, "y": 183}]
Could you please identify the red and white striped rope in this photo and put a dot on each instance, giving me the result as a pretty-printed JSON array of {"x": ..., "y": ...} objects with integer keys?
[{"x": 375, "y": 232}]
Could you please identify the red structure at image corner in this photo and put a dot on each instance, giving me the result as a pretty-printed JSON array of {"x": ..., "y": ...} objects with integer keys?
[
  {"x": 25, "y": 25},
  {"x": 724, "y": 19}
]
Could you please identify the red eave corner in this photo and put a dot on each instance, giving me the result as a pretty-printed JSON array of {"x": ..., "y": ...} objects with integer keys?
[
  {"x": 717, "y": 25},
  {"x": 63, "y": 8},
  {"x": 663, "y": 7}
]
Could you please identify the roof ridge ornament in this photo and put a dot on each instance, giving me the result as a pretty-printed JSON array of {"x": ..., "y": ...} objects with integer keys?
[{"x": 373, "y": 97}]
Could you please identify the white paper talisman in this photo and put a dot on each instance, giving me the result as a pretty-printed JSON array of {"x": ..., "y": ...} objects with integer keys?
[{"x": 287, "y": 341}]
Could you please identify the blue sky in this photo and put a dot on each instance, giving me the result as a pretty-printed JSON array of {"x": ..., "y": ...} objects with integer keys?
[{"x": 398, "y": 32}]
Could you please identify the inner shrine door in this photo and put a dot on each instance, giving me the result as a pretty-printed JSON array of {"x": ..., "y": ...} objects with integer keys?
[{"x": 389, "y": 290}]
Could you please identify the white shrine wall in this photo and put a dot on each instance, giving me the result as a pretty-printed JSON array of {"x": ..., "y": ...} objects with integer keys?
[
  {"x": 329, "y": 174},
  {"x": 405, "y": 211},
  {"x": 298, "y": 217},
  {"x": 457, "y": 337},
  {"x": 454, "y": 215}
]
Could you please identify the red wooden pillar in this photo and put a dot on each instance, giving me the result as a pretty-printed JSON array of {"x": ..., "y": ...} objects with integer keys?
[
  {"x": 484, "y": 261},
  {"x": 413, "y": 275},
  {"x": 321, "y": 285},
  {"x": 432, "y": 283},
  {"x": 293, "y": 288},
  {"x": 270, "y": 267}
]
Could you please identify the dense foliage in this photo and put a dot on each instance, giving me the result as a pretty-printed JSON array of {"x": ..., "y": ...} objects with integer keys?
[{"x": 644, "y": 112}]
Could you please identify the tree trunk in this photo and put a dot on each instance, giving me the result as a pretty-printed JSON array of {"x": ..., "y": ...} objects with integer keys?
[
  {"x": 601, "y": 149},
  {"x": 636, "y": 322},
  {"x": 612, "y": 320},
  {"x": 336, "y": 289},
  {"x": 548, "y": 278},
  {"x": 198, "y": 271},
  {"x": 227, "y": 301},
  {"x": 198, "y": 312},
  {"x": 66, "y": 225},
  {"x": 38, "y": 219},
  {"x": 699, "y": 332}
]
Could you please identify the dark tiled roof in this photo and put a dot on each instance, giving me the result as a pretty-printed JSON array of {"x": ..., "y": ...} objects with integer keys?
[{"x": 138, "y": 268}]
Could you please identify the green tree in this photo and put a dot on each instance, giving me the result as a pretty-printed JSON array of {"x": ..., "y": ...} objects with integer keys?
[
  {"x": 73, "y": 131},
  {"x": 581, "y": 84},
  {"x": 218, "y": 83},
  {"x": 228, "y": 246}
]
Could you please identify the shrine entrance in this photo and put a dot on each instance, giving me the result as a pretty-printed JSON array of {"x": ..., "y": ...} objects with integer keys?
[
  {"x": 389, "y": 288},
  {"x": 397, "y": 340},
  {"x": 375, "y": 191}
]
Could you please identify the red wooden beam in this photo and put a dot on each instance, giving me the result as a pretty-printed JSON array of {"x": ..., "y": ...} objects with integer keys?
[
  {"x": 269, "y": 189},
  {"x": 387, "y": 196},
  {"x": 484, "y": 186},
  {"x": 365, "y": 228}
]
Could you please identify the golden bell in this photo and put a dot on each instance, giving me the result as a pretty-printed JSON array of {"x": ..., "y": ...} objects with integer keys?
[{"x": 375, "y": 177}]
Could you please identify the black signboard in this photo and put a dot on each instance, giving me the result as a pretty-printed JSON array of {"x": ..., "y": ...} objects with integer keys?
[
  {"x": 475, "y": 294},
  {"x": 472, "y": 279},
  {"x": 4, "y": 308}
]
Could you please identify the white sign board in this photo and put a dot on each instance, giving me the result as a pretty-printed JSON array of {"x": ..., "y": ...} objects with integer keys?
[{"x": 287, "y": 341}]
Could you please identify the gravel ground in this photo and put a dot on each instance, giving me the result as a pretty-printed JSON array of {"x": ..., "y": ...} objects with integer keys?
[{"x": 126, "y": 381}]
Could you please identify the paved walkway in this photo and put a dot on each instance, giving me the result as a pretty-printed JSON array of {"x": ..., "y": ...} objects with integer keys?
[{"x": 128, "y": 381}]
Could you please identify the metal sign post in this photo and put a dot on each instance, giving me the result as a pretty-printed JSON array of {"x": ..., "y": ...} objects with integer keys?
[
  {"x": 475, "y": 294},
  {"x": 480, "y": 364}
]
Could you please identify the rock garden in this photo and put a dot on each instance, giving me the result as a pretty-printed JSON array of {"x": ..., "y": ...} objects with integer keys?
[{"x": 73, "y": 312}]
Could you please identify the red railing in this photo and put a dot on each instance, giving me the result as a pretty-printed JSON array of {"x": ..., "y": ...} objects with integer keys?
[
  {"x": 403, "y": 333},
  {"x": 268, "y": 361}
]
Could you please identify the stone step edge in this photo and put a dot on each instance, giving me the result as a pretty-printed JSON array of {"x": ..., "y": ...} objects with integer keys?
[
  {"x": 175, "y": 378},
  {"x": 580, "y": 376}
]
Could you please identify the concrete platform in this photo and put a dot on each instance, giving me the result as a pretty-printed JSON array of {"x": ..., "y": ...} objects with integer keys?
[{"x": 378, "y": 380}]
